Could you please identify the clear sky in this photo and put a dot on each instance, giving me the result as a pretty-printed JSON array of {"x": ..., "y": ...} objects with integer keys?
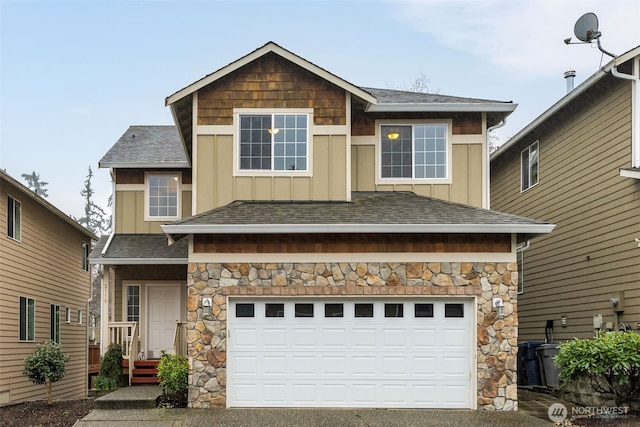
[{"x": 74, "y": 75}]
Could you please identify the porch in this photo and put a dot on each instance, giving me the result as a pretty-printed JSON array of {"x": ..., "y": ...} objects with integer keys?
[{"x": 135, "y": 367}]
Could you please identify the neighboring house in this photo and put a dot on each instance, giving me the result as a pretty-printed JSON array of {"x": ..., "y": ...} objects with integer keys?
[
  {"x": 329, "y": 244},
  {"x": 44, "y": 287},
  {"x": 578, "y": 166}
]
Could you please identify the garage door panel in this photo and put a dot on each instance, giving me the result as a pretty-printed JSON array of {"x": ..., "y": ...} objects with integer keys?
[{"x": 371, "y": 361}]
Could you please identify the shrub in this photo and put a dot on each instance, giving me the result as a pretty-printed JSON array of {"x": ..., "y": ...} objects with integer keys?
[
  {"x": 46, "y": 365},
  {"x": 173, "y": 372},
  {"x": 611, "y": 362},
  {"x": 110, "y": 368}
]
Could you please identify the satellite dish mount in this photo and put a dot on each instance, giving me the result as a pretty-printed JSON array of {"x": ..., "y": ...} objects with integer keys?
[{"x": 586, "y": 30}]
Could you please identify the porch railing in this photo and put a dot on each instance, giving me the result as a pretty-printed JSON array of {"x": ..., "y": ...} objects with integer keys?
[
  {"x": 180, "y": 338},
  {"x": 125, "y": 334}
]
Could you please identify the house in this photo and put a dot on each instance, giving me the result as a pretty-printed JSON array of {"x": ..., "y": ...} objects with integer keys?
[
  {"x": 578, "y": 166},
  {"x": 44, "y": 288},
  {"x": 315, "y": 243}
]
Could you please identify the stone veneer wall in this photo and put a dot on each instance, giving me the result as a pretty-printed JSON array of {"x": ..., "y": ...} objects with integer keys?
[{"x": 497, "y": 337}]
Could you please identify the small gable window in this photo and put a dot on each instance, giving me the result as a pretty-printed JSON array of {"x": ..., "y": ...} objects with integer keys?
[
  {"x": 530, "y": 159},
  {"x": 14, "y": 218},
  {"x": 162, "y": 195},
  {"x": 274, "y": 142},
  {"x": 418, "y": 152}
]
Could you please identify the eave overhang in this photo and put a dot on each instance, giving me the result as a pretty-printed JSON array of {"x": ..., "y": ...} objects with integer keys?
[
  {"x": 442, "y": 107},
  {"x": 155, "y": 165},
  {"x": 177, "y": 230},
  {"x": 137, "y": 261}
]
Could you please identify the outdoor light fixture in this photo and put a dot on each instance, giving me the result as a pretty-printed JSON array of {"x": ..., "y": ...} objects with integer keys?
[
  {"x": 206, "y": 305},
  {"x": 498, "y": 304},
  {"x": 273, "y": 131},
  {"x": 393, "y": 135}
]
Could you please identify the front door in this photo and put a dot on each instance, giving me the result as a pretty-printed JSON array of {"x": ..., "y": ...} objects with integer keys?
[{"x": 163, "y": 302}]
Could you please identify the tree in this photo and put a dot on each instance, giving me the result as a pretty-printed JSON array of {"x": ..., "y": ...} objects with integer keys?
[
  {"x": 494, "y": 142},
  {"x": 421, "y": 85},
  {"x": 95, "y": 219},
  {"x": 46, "y": 365},
  {"x": 34, "y": 184}
]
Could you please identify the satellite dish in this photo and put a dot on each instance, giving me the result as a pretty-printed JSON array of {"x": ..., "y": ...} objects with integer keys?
[{"x": 586, "y": 28}]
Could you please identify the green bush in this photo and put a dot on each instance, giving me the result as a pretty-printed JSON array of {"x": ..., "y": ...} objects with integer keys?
[
  {"x": 611, "y": 362},
  {"x": 46, "y": 365},
  {"x": 110, "y": 368},
  {"x": 173, "y": 372}
]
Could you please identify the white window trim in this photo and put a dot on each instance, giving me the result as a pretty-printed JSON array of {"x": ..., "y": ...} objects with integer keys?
[
  {"x": 522, "y": 190},
  {"x": 147, "y": 217},
  {"x": 14, "y": 218},
  {"x": 404, "y": 181},
  {"x": 67, "y": 315},
  {"x": 125, "y": 304},
  {"x": 237, "y": 112},
  {"x": 79, "y": 316},
  {"x": 86, "y": 249},
  {"x": 27, "y": 319}
]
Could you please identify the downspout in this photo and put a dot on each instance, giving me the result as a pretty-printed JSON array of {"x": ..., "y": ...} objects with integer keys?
[
  {"x": 488, "y": 180},
  {"x": 635, "y": 119}
]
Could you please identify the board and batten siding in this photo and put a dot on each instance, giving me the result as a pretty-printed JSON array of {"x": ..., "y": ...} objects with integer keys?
[
  {"x": 466, "y": 186},
  {"x": 591, "y": 254},
  {"x": 216, "y": 185},
  {"x": 129, "y": 209},
  {"x": 45, "y": 265}
]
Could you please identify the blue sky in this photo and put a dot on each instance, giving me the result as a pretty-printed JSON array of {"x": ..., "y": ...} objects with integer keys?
[{"x": 74, "y": 75}]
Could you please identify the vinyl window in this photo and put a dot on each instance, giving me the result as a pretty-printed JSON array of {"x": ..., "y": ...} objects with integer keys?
[
  {"x": 55, "y": 323},
  {"x": 274, "y": 142},
  {"x": 85, "y": 256},
  {"x": 162, "y": 195},
  {"x": 14, "y": 218},
  {"x": 418, "y": 151},
  {"x": 27, "y": 319},
  {"x": 530, "y": 158}
]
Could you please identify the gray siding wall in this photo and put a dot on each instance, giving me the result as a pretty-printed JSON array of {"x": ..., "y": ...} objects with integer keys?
[{"x": 574, "y": 270}]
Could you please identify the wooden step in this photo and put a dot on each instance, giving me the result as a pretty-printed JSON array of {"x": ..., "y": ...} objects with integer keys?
[
  {"x": 144, "y": 380},
  {"x": 144, "y": 371}
]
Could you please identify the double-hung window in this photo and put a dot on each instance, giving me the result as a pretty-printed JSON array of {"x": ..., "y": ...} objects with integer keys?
[
  {"x": 55, "y": 323},
  {"x": 27, "y": 319},
  {"x": 419, "y": 151},
  {"x": 530, "y": 158},
  {"x": 274, "y": 142},
  {"x": 14, "y": 218},
  {"x": 162, "y": 195}
]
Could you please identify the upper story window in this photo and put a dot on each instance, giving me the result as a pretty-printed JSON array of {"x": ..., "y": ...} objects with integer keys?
[
  {"x": 162, "y": 195},
  {"x": 14, "y": 218},
  {"x": 55, "y": 323},
  {"x": 274, "y": 142},
  {"x": 530, "y": 158},
  {"x": 418, "y": 152}
]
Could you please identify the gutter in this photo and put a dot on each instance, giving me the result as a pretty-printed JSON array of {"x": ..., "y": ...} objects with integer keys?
[{"x": 356, "y": 228}]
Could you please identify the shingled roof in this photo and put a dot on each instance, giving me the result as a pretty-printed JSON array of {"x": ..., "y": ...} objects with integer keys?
[
  {"x": 367, "y": 212},
  {"x": 139, "y": 249},
  {"x": 147, "y": 146}
]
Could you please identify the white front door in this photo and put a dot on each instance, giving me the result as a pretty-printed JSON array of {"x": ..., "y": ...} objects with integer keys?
[{"x": 163, "y": 302}]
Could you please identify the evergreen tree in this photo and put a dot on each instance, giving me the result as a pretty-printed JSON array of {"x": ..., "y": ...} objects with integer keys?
[
  {"x": 34, "y": 184},
  {"x": 95, "y": 219}
]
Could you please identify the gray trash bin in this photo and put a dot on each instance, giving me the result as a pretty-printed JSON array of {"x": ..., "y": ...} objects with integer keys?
[{"x": 549, "y": 370}]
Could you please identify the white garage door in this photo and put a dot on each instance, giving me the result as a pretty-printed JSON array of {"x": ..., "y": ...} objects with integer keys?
[{"x": 387, "y": 353}]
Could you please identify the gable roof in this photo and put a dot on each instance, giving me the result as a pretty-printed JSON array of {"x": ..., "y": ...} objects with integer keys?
[
  {"x": 368, "y": 212},
  {"x": 610, "y": 67},
  {"x": 279, "y": 50},
  {"x": 46, "y": 205},
  {"x": 147, "y": 146}
]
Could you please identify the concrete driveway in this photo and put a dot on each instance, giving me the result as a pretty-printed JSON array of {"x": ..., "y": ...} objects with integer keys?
[{"x": 306, "y": 417}]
